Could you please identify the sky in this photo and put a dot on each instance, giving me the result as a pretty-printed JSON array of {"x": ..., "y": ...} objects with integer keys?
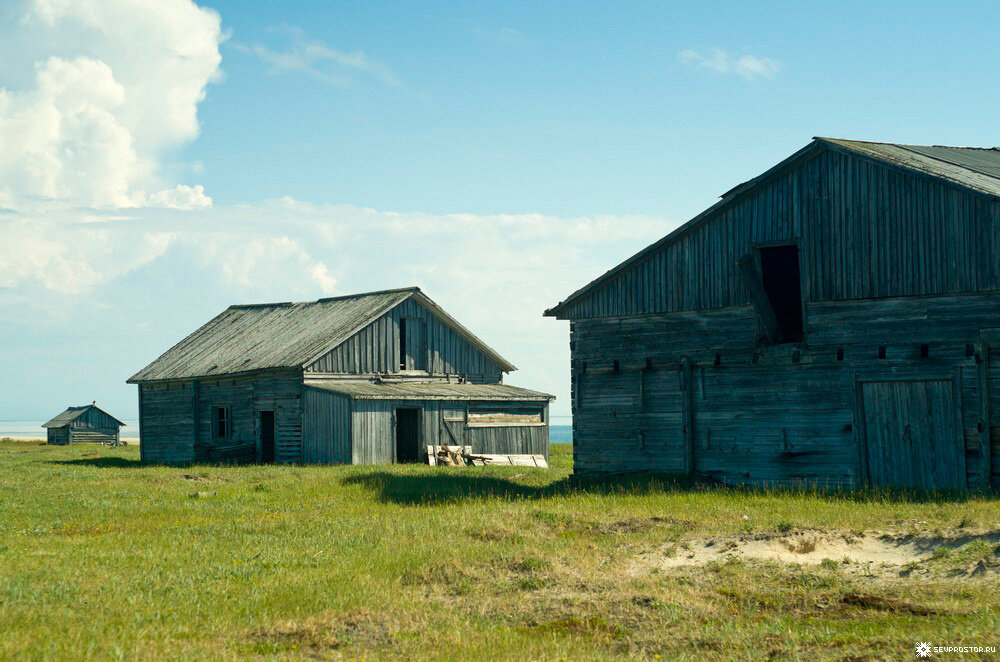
[{"x": 162, "y": 159}]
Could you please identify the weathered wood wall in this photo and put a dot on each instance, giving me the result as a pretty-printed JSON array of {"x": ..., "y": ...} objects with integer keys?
[
  {"x": 375, "y": 349},
  {"x": 168, "y": 412},
  {"x": 58, "y": 436},
  {"x": 779, "y": 414},
  {"x": 166, "y": 427},
  {"x": 865, "y": 230},
  {"x": 442, "y": 422},
  {"x": 326, "y": 428}
]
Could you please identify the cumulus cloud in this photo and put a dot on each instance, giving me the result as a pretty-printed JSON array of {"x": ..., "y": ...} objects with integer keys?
[
  {"x": 89, "y": 126},
  {"x": 745, "y": 66},
  {"x": 164, "y": 272},
  {"x": 320, "y": 61}
]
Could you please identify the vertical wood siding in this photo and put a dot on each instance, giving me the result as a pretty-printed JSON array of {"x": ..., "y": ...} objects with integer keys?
[
  {"x": 373, "y": 431},
  {"x": 167, "y": 415},
  {"x": 326, "y": 428},
  {"x": 865, "y": 230},
  {"x": 375, "y": 349}
]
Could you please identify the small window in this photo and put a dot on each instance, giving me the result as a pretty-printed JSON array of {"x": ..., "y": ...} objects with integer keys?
[
  {"x": 649, "y": 364},
  {"x": 925, "y": 351},
  {"x": 402, "y": 344},
  {"x": 840, "y": 353},
  {"x": 616, "y": 367},
  {"x": 779, "y": 271},
  {"x": 881, "y": 351},
  {"x": 718, "y": 359},
  {"x": 221, "y": 423}
]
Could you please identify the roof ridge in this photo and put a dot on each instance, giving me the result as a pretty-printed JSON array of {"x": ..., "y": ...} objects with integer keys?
[
  {"x": 411, "y": 288},
  {"x": 358, "y": 295}
]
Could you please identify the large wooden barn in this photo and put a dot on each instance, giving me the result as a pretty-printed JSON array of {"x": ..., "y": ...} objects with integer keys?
[
  {"x": 368, "y": 378},
  {"x": 833, "y": 321},
  {"x": 84, "y": 424}
]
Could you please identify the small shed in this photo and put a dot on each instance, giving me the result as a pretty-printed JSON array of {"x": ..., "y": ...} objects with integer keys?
[{"x": 86, "y": 424}]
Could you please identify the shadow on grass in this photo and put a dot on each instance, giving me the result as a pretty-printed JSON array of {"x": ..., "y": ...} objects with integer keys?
[
  {"x": 102, "y": 462},
  {"x": 453, "y": 487}
]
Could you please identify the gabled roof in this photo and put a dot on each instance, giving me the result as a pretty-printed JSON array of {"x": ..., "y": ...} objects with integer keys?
[
  {"x": 73, "y": 413},
  {"x": 247, "y": 338},
  {"x": 357, "y": 389},
  {"x": 975, "y": 169}
]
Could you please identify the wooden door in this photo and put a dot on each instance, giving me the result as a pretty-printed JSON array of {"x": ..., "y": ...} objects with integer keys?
[
  {"x": 912, "y": 437},
  {"x": 267, "y": 437},
  {"x": 408, "y": 435}
]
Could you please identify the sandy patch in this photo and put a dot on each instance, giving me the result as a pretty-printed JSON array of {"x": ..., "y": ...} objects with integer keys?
[{"x": 889, "y": 551}]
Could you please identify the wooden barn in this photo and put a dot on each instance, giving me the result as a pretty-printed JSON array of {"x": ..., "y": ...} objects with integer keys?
[
  {"x": 833, "y": 321},
  {"x": 86, "y": 424},
  {"x": 363, "y": 379}
]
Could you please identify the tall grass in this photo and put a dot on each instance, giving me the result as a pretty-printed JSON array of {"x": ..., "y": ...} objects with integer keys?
[{"x": 101, "y": 557}]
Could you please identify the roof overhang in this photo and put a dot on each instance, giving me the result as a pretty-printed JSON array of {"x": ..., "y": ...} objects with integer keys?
[{"x": 431, "y": 390}]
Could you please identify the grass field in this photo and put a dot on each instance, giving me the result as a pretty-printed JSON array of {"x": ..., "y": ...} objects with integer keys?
[{"x": 101, "y": 558}]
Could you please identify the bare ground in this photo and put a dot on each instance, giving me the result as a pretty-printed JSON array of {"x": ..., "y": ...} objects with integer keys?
[{"x": 882, "y": 553}]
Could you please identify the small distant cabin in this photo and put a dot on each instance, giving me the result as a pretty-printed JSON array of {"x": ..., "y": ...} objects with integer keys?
[
  {"x": 834, "y": 321},
  {"x": 86, "y": 424},
  {"x": 369, "y": 378}
]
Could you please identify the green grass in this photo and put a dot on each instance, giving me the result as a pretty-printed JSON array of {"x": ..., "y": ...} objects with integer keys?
[{"x": 101, "y": 558}]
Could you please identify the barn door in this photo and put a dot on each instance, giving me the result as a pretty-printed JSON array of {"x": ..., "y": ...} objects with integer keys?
[
  {"x": 911, "y": 434},
  {"x": 412, "y": 344}
]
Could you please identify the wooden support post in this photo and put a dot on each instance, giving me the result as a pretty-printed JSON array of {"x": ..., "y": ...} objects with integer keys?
[
  {"x": 985, "y": 458},
  {"x": 687, "y": 388},
  {"x": 751, "y": 277}
]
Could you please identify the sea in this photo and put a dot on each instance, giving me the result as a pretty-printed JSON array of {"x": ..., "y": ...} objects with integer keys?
[{"x": 560, "y": 430}]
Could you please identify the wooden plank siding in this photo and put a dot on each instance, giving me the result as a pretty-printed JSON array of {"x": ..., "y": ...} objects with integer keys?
[
  {"x": 865, "y": 230},
  {"x": 375, "y": 349},
  {"x": 373, "y": 430},
  {"x": 326, "y": 428},
  {"x": 899, "y": 278},
  {"x": 774, "y": 414},
  {"x": 169, "y": 431},
  {"x": 167, "y": 422}
]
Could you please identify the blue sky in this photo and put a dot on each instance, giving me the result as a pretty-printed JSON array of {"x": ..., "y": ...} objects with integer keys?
[{"x": 161, "y": 161}]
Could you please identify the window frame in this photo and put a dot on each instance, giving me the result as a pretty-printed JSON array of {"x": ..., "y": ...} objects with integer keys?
[{"x": 226, "y": 419}]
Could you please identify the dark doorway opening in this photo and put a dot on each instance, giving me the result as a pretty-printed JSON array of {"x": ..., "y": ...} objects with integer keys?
[
  {"x": 407, "y": 435},
  {"x": 267, "y": 437},
  {"x": 779, "y": 270}
]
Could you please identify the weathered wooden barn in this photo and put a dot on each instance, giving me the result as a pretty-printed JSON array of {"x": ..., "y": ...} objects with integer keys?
[
  {"x": 368, "y": 378},
  {"x": 85, "y": 424},
  {"x": 833, "y": 321}
]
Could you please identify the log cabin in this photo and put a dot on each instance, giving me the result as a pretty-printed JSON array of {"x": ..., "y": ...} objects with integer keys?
[
  {"x": 368, "y": 378},
  {"x": 84, "y": 424},
  {"x": 834, "y": 321}
]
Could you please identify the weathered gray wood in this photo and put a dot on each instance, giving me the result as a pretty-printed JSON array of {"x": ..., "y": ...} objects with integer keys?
[
  {"x": 758, "y": 297},
  {"x": 687, "y": 386},
  {"x": 898, "y": 276}
]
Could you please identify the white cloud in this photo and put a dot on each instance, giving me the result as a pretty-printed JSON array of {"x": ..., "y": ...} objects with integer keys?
[
  {"x": 89, "y": 127},
  {"x": 316, "y": 59},
  {"x": 181, "y": 197},
  {"x": 746, "y": 66},
  {"x": 165, "y": 272}
]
